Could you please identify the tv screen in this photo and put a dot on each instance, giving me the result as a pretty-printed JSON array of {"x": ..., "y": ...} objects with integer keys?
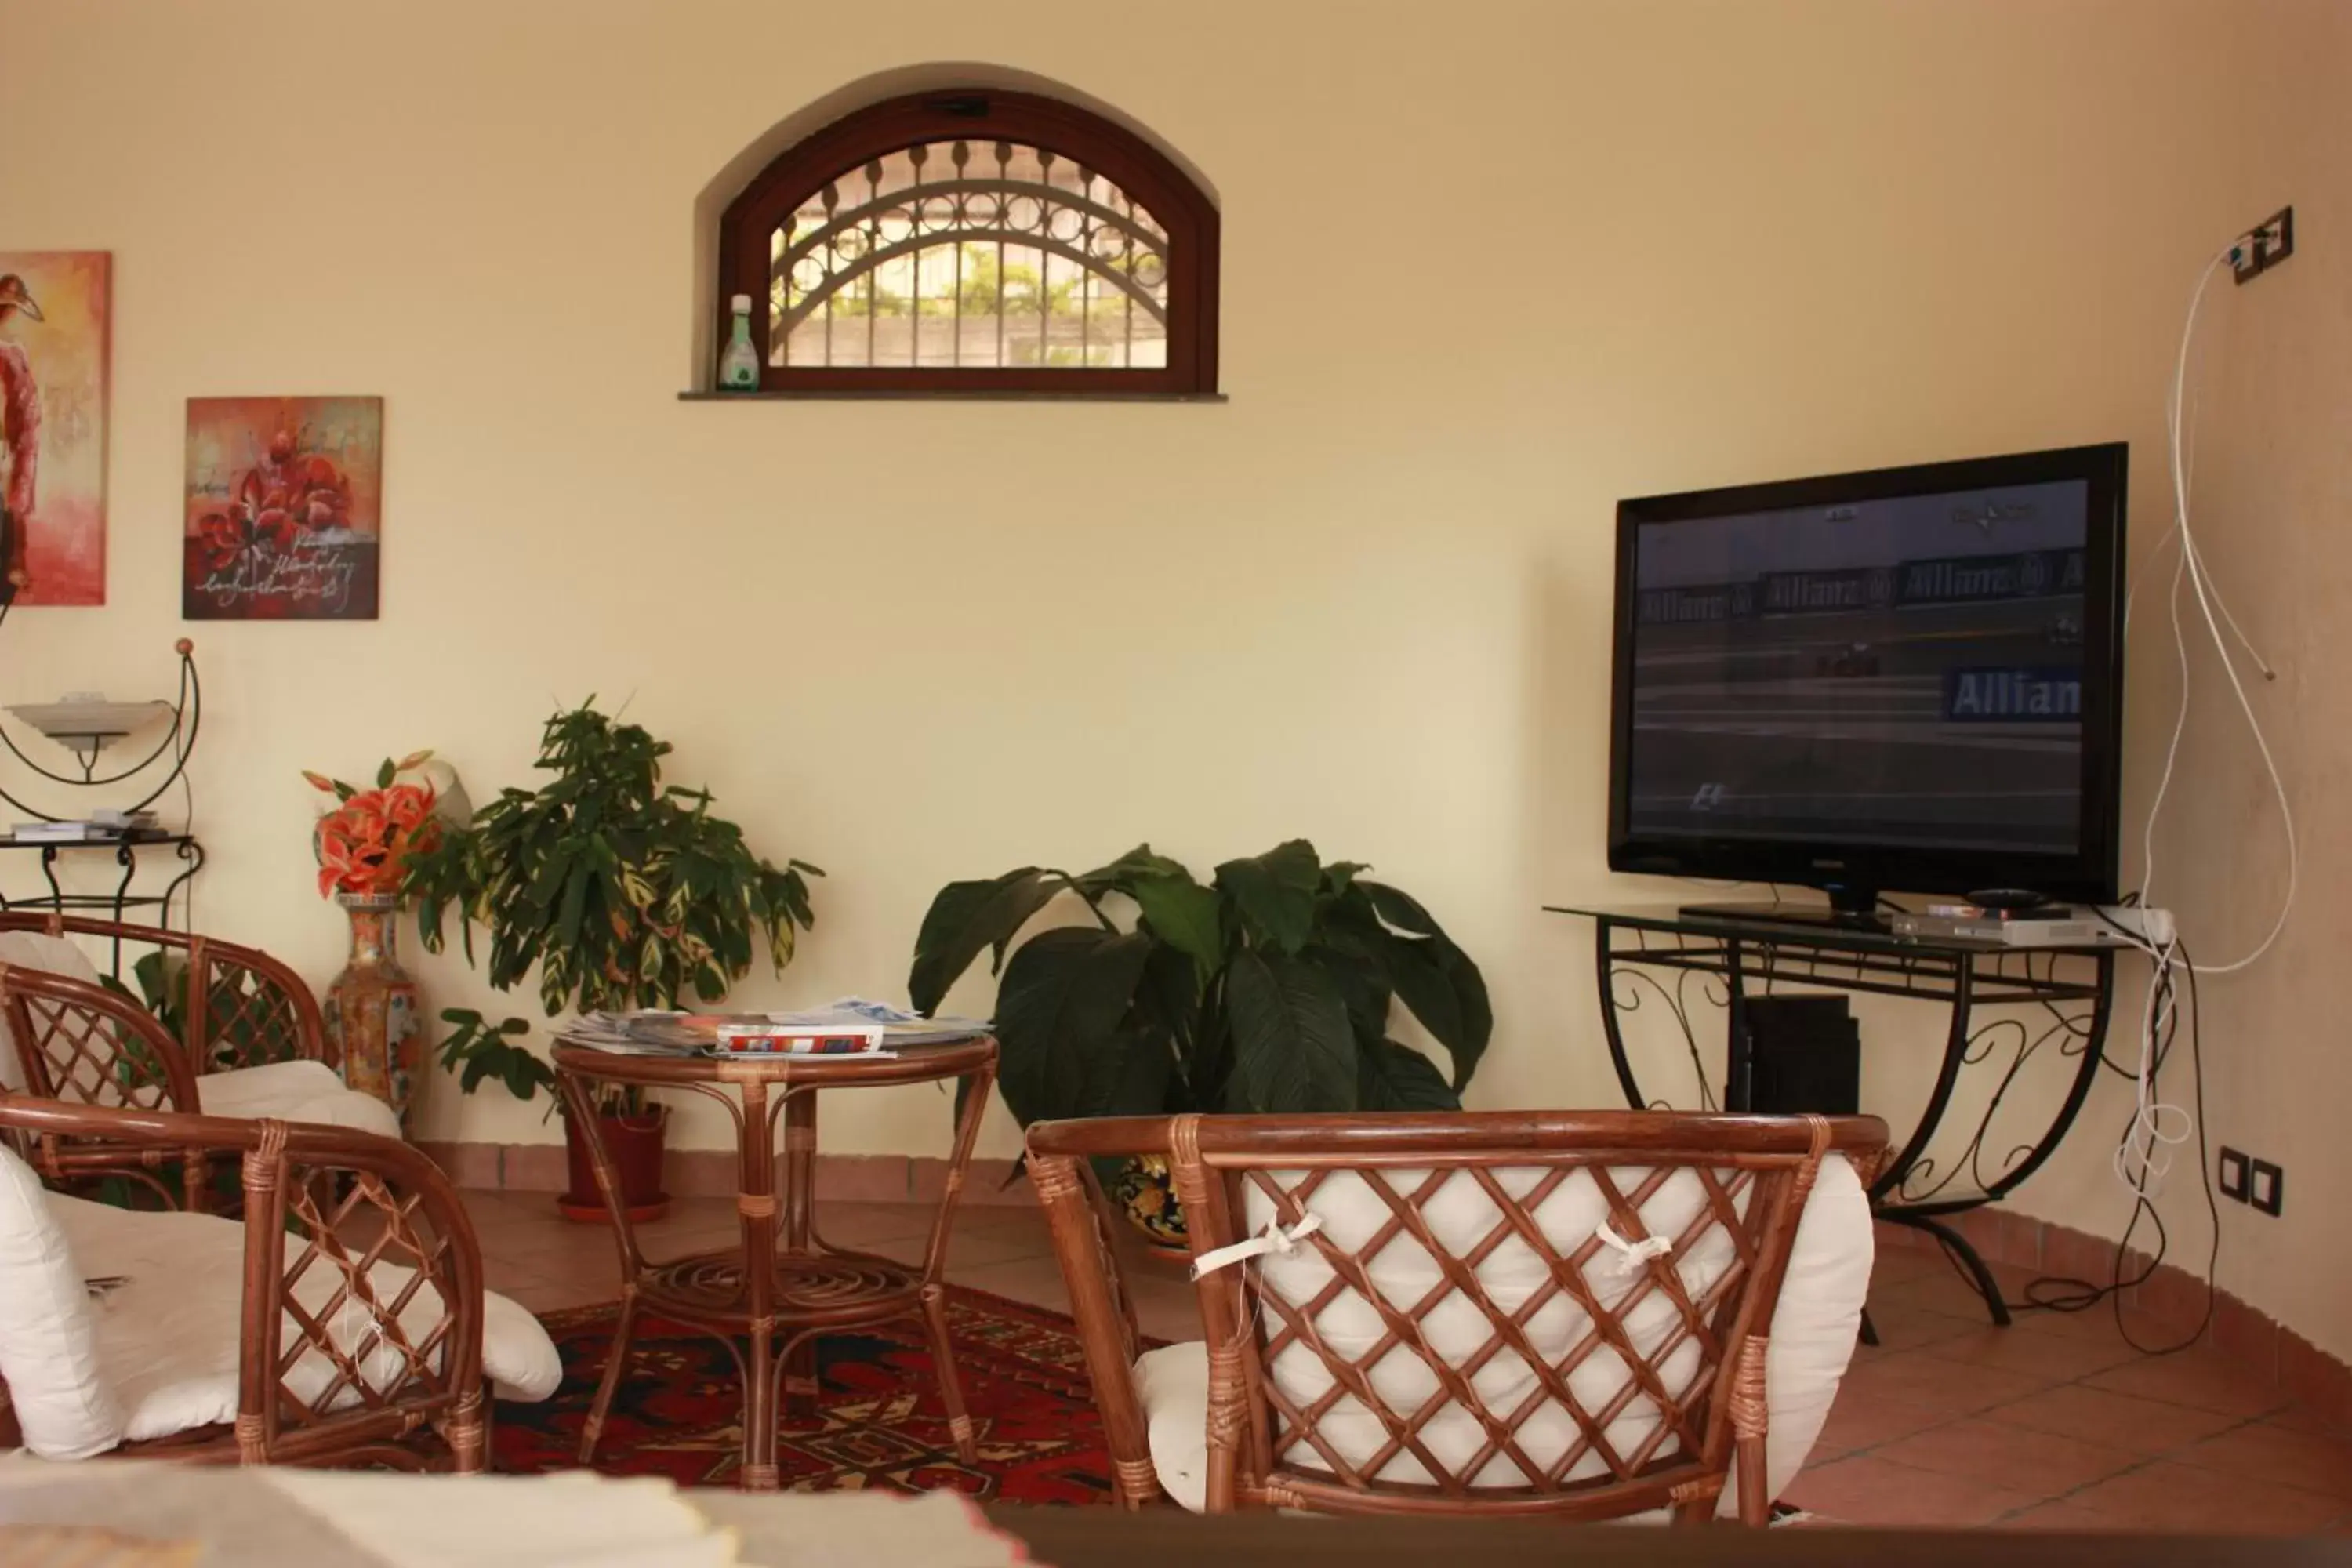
[{"x": 1906, "y": 678}]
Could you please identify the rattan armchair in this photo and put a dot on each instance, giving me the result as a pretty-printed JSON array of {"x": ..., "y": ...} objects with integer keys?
[
  {"x": 237, "y": 1006},
  {"x": 250, "y": 1043},
  {"x": 1560, "y": 1314},
  {"x": 361, "y": 1323}
]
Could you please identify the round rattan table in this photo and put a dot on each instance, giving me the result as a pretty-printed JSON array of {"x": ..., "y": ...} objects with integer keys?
[{"x": 783, "y": 1287}]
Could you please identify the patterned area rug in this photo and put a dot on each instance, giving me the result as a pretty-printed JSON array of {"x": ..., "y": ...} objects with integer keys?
[{"x": 879, "y": 1422}]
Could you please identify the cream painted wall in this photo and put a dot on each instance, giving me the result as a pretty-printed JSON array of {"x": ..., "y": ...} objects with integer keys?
[
  {"x": 1366, "y": 601},
  {"x": 2272, "y": 494}
]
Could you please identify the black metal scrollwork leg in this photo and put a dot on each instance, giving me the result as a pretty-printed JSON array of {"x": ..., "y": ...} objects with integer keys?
[{"x": 1917, "y": 1189}]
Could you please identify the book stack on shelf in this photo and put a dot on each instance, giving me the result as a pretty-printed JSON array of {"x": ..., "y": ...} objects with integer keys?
[{"x": 102, "y": 826}]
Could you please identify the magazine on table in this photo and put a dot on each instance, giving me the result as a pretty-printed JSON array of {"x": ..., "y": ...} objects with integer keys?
[{"x": 852, "y": 1027}]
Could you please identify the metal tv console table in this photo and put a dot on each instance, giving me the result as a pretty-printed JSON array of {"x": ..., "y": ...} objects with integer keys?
[{"x": 2050, "y": 999}]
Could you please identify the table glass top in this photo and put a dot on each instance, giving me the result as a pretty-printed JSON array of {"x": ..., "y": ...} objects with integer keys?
[{"x": 1795, "y": 930}]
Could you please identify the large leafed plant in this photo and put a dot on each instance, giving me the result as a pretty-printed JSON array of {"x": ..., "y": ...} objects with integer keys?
[
  {"x": 1269, "y": 989},
  {"x": 623, "y": 892}
]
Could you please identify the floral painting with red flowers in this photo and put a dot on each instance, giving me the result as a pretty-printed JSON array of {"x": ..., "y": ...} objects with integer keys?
[
  {"x": 364, "y": 841},
  {"x": 284, "y": 515}
]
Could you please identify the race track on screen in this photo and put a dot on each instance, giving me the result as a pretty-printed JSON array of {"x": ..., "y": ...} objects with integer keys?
[{"x": 1787, "y": 726}]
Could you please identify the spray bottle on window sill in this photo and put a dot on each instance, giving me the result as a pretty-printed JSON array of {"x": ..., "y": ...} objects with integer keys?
[{"x": 739, "y": 364}]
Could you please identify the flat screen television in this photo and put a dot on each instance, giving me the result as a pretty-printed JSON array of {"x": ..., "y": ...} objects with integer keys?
[{"x": 1909, "y": 679}]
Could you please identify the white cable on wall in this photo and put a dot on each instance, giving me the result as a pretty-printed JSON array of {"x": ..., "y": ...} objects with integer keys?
[
  {"x": 2143, "y": 1156},
  {"x": 2192, "y": 568}
]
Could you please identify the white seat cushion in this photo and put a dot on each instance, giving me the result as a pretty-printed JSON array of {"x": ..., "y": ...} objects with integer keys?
[
  {"x": 1811, "y": 1337},
  {"x": 48, "y": 1350},
  {"x": 36, "y": 950},
  {"x": 295, "y": 1091},
  {"x": 168, "y": 1337}
]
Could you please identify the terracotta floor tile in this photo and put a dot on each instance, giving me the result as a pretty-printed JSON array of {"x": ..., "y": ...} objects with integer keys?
[
  {"x": 2174, "y": 1496},
  {"x": 1166, "y": 1309},
  {"x": 1942, "y": 1291},
  {"x": 1958, "y": 1388},
  {"x": 1869, "y": 1491},
  {"x": 2111, "y": 1420},
  {"x": 2093, "y": 1323},
  {"x": 2202, "y": 1379},
  {"x": 2067, "y": 1514},
  {"x": 2266, "y": 1451},
  {"x": 2054, "y": 1358},
  {"x": 971, "y": 1250},
  {"x": 1036, "y": 1280},
  {"x": 2301, "y": 1418},
  {"x": 1859, "y": 1421},
  {"x": 552, "y": 1296},
  {"x": 1895, "y": 1264},
  {"x": 2041, "y": 1463},
  {"x": 1903, "y": 1327},
  {"x": 862, "y": 1225}
]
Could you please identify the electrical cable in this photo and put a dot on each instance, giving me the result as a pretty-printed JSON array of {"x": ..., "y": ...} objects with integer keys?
[
  {"x": 2058, "y": 1293},
  {"x": 2192, "y": 568}
]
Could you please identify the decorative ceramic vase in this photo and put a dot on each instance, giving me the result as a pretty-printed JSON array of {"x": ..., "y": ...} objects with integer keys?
[
  {"x": 1146, "y": 1194},
  {"x": 372, "y": 1018}
]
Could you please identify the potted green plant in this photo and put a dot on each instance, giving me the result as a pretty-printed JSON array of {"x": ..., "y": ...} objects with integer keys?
[
  {"x": 623, "y": 893},
  {"x": 1271, "y": 989}
]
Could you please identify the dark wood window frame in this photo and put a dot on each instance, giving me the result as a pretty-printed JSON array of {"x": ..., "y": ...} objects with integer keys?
[{"x": 1148, "y": 175}]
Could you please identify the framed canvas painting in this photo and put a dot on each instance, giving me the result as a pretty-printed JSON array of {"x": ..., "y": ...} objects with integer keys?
[
  {"x": 284, "y": 509},
  {"x": 54, "y": 317}
]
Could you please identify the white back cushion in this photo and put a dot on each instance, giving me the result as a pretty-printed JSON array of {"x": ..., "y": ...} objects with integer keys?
[
  {"x": 1811, "y": 1336},
  {"x": 47, "y": 1346},
  {"x": 36, "y": 950}
]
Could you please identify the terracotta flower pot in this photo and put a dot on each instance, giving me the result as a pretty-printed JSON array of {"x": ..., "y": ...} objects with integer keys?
[{"x": 635, "y": 1144}]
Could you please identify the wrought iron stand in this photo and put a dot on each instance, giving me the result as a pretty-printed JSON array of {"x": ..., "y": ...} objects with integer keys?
[
  {"x": 1649, "y": 958},
  {"x": 148, "y": 779},
  {"x": 188, "y": 854}
]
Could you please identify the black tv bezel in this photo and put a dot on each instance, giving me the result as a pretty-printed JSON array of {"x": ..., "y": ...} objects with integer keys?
[{"x": 2087, "y": 875}]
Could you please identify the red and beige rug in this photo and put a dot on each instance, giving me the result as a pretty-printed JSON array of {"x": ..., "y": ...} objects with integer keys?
[{"x": 879, "y": 1423}]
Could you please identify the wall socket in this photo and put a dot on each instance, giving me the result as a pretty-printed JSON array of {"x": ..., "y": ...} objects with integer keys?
[
  {"x": 2241, "y": 1177},
  {"x": 2265, "y": 1186},
  {"x": 2263, "y": 246}
]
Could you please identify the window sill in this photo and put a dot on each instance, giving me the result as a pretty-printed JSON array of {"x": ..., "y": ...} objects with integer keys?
[{"x": 888, "y": 395}]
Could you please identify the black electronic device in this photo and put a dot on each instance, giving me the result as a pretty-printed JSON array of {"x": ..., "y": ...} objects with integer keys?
[
  {"x": 1905, "y": 679},
  {"x": 1804, "y": 1055}
]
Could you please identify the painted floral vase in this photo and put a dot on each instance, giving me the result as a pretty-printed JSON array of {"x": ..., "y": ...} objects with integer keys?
[
  {"x": 373, "y": 1020},
  {"x": 1146, "y": 1194}
]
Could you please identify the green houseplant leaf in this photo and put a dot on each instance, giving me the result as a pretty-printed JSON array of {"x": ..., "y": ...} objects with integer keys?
[
  {"x": 1275, "y": 892},
  {"x": 1397, "y": 1078},
  {"x": 1183, "y": 914},
  {"x": 966, "y": 917},
  {"x": 1058, "y": 1014},
  {"x": 1294, "y": 1048},
  {"x": 622, "y": 891},
  {"x": 1271, "y": 989}
]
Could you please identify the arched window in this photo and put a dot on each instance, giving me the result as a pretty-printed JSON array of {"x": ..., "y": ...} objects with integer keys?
[{"x": 975, "y": 241}]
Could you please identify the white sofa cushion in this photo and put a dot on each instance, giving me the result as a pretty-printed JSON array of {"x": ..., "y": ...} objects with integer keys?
[
  {"x": 49, "y": 1351},
  {"x": 295, "y": 1091},
  {"x": 36, "y": 950},
  {"x": 1811, "y": 1336},
  {"x": 168, "y": 1336}
]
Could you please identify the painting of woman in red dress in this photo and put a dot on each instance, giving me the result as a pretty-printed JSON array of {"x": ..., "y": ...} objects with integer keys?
[{"x": 54, "y": 310}]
